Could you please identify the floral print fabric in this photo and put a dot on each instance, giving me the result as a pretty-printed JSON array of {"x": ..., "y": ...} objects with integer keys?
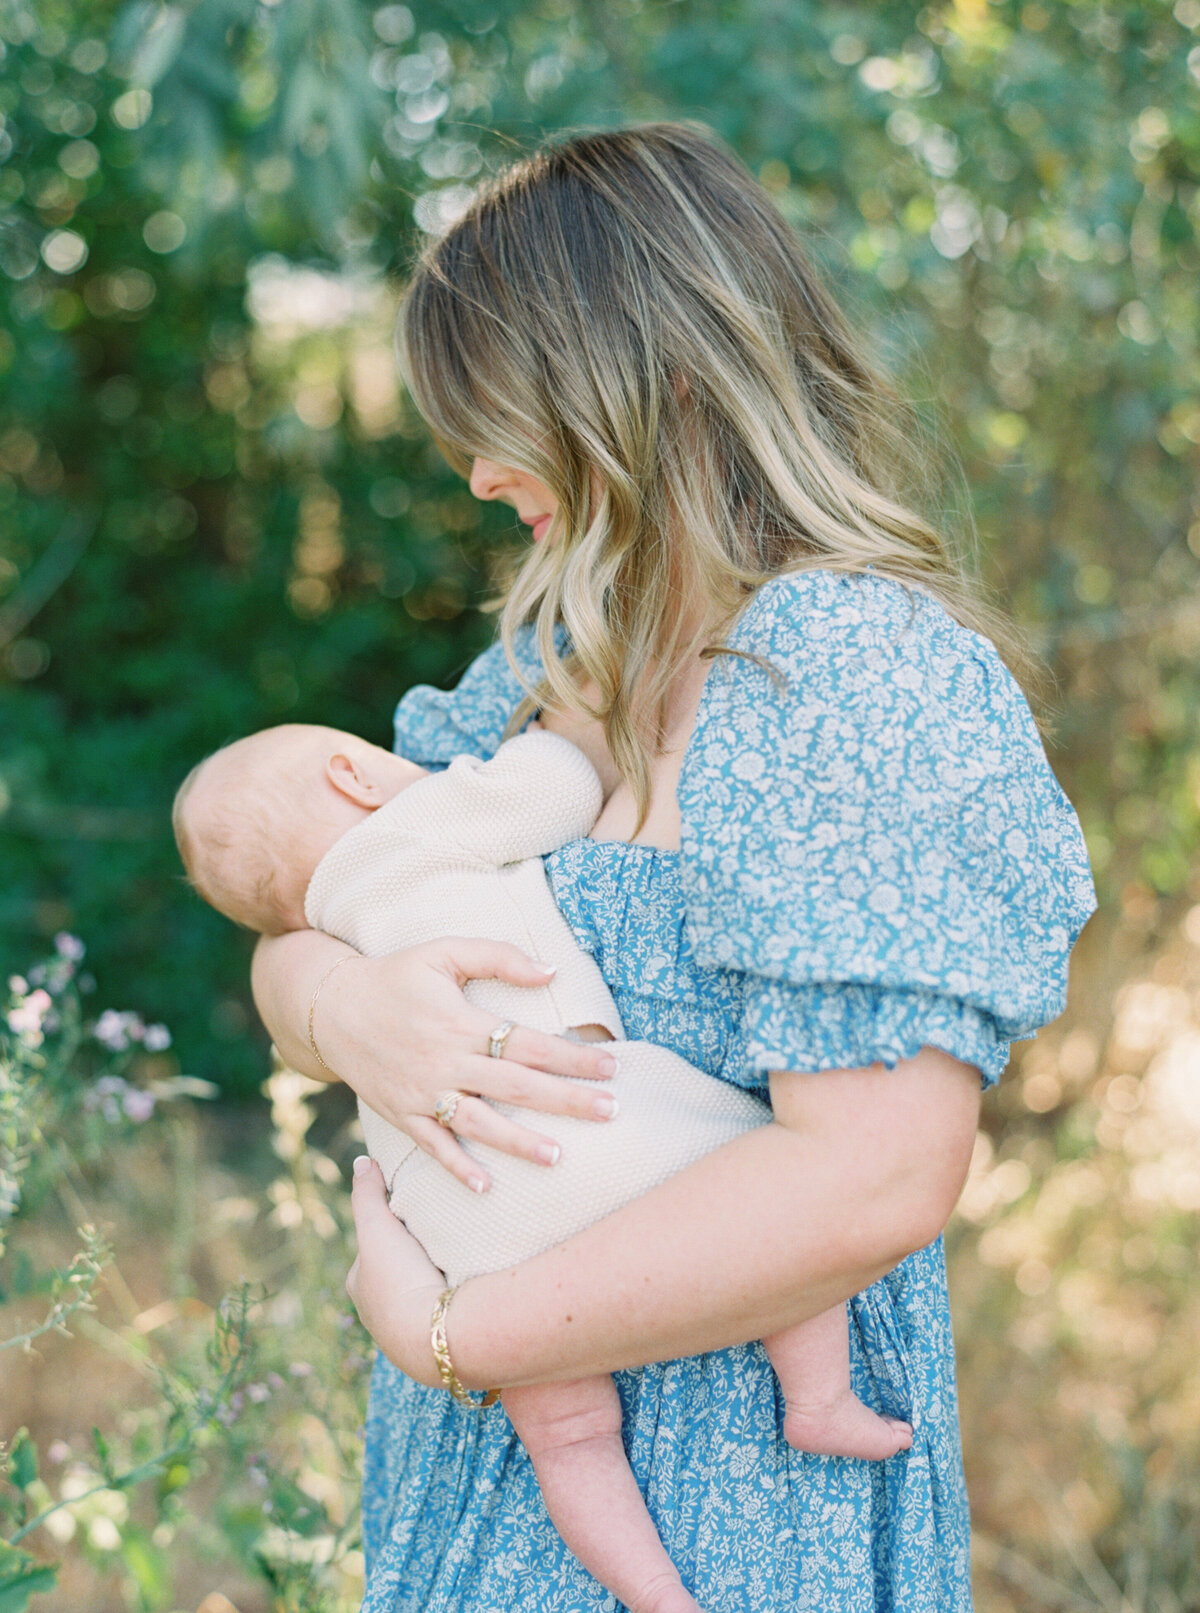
[{"x": 875, "y": 856}]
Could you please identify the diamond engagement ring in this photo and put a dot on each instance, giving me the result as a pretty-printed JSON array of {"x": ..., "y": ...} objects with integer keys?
[
  {"x": 444, "y": 1109},
  {"x": 498, "y": 1038}
]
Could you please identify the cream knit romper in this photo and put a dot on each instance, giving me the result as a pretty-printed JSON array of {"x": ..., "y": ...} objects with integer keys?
[{"x": 458, "y": 853}]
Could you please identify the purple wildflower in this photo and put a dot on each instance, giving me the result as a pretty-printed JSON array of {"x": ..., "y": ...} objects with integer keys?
[
  {"x": 111, "y": 1032},
  {"x": 138, "y": 1104}
]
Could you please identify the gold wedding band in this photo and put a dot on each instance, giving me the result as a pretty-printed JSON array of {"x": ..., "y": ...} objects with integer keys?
[
  {"x": 444, "y": 1109},
  {"x": 498, "y": 1038}
]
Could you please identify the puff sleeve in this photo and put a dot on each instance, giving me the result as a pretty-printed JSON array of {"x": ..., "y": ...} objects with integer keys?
[{"x": 872, "y": 833}]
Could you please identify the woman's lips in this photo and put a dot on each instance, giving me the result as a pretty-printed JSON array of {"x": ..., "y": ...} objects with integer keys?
[{"x": 539, "y": 527}]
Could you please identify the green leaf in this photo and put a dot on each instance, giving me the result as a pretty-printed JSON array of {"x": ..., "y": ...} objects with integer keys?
[
  {"x": 22, "y": 1577},
  {"x": 22, "y": 1460},
  {"x": 147, "y": 1568},
  {"x": 293, "y": 1509},
  {"x": 103, "y": 1454}
]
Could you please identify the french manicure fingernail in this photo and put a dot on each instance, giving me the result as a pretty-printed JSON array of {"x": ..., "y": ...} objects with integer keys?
[
  {"x": 362, "y": 1164},
  {"x": 608, "y": 1066},
  {"x": 548, "y": 968},
  {"x": 548, "y": 1153},
  {"x": 605, "y": 1108},
  {"x": 477, "y": 1184}
]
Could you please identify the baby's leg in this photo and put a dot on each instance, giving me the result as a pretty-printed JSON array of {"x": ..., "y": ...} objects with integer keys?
[
  {"x": 824, "y": 1415},
  {"x": 572, "y": 1432}
]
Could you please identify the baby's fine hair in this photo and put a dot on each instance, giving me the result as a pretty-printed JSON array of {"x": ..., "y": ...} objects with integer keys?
[{"x": 231, "y": 856}]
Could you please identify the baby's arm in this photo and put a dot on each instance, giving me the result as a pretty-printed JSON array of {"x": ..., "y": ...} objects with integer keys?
[{"x": 537, "y": 792}]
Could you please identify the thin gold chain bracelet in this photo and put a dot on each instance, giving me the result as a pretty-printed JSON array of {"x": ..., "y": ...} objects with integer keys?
[{"x": 351, "y": 957}]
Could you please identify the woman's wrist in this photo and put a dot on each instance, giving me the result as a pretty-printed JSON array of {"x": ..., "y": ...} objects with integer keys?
[
  {"x": 285, "y": 974},
  {"x": 318, "y": 991},
  {"x": 440, "y": 1346}
]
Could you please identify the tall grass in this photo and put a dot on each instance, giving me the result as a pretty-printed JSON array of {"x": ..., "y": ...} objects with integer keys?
[{"x": 191, "y": 1377}]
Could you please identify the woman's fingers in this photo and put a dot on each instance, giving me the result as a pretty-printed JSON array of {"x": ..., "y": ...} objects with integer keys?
[
  {"x": 505, "y": 1081},
  {"x": 589, "y": 1061},
  {"x": 393, "y": 1283},
  {"x": 375, "y": 1226},
  {"x": 476, "y": 1120},
  {"x": 385, "y": 1245},
  {"x": 440, "y": 1143},
  {"x": 465, "y": 959}
]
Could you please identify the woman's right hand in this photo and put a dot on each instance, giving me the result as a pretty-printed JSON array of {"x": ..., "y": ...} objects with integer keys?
[{"x": 399, "y": 1030}]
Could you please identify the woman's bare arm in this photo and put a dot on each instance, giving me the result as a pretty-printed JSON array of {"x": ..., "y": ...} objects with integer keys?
[
  {"x": 284, "y": 974},
  {"x": 859, "y": 1169}
]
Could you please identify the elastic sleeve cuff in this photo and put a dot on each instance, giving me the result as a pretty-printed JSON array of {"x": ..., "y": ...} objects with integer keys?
[{"x": 847, "y": 1027}]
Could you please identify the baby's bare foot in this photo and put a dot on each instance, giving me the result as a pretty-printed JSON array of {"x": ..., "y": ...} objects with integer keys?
[
  {"x": 845, "y": 1427},
  {"x": 665, "y": 1595}
]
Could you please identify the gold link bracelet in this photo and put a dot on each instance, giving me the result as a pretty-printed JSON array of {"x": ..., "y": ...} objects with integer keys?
[{"x": 441, "y": 1354}]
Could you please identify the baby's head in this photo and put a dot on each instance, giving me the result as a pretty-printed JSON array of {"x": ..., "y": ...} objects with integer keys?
[{"x": 253, "y": 820}]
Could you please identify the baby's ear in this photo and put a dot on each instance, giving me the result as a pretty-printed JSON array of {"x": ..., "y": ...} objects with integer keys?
[{"x": 345, "y": 775}]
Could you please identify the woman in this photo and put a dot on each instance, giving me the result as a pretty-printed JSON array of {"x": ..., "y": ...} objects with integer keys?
[{"x": 834, "y": 864}]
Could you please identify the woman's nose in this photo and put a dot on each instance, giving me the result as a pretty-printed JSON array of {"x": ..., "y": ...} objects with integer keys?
[{"x": 485, "y": 479}]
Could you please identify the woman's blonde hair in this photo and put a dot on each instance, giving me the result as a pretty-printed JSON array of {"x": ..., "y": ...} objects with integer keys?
[{"x": 628, "y": 318}]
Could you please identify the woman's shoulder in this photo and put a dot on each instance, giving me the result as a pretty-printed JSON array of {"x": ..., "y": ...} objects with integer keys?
[
  {"x": 867, "y": 799},
  {"x": 818, "y": 619},
  {"x": 874, "y": 655}
]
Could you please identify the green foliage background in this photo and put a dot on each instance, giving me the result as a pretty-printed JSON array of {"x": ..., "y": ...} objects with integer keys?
[{"x": 216, "y": 512}]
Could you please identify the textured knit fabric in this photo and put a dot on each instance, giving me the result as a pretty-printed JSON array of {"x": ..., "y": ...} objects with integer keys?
[
  {"x": 718, "y": 952},
  {"x": 459, "y": 853}
]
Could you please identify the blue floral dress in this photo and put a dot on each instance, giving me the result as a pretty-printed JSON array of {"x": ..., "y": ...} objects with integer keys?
[{"x": 875, "y": 857}]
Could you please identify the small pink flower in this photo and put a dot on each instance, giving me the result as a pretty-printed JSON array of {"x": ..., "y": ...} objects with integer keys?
[
  {"x": 27, "y": 1018},
  {"x": 69, "y": 946},
  {"x": 138, "y": 1104},
  {"x": 157, "y": 1039},
  {"x": 110, "y": 1031}
]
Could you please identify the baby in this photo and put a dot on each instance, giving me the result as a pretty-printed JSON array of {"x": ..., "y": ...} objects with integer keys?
[{"x": 304, "y": 826}]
